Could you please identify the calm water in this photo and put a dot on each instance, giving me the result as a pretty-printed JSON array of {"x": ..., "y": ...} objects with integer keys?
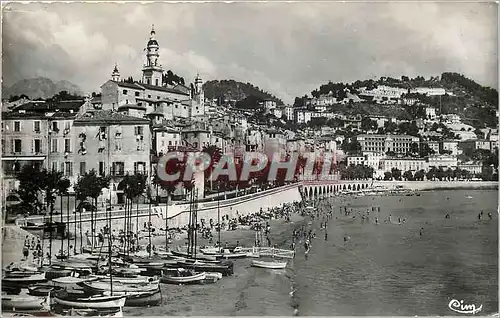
[
  {"x": 385, "y": 269},
  {"x": 389, "y": 269}
]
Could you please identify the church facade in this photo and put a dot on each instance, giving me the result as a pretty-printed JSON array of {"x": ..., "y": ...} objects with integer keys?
[{"x": 151, "y": 96}]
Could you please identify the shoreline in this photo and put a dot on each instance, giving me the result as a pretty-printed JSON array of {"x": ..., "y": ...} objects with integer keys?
[{"x": 435, "y": 185}]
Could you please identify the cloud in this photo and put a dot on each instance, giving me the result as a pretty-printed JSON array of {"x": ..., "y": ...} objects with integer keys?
[{"x": 287, "y": 49}]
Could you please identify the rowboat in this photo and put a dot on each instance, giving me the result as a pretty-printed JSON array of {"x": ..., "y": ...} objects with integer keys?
[
  {"x": 198, "y": 257},
  {"x": 225, "y": 268},
  {"x": 22, "y": 302},
  {"x": 211, "y": 278},
  {"x": 129, "y": 280},
  {"x": 103, "y": 286},
  {"x": 27, "y": 279},
  {"x": 144, "y": 299},
  {"x": 95, "y": 302},
  {"x": 112, "y": 312},
  {"x": 269, "y": 264},
  {"x": 183, "y": 277},
  {"x": 42, "y": 290},
  {"x": 69, "y": 280}
]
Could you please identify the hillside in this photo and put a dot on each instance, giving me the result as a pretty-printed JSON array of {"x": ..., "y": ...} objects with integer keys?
[
  {"x": 476, "y": 104},
  {"x": 40, "y": 87},
  {"x": 232, "y": 90}
]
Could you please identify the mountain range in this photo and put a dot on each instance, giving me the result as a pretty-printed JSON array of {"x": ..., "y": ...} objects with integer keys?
[{"x": 40, "y": 87}]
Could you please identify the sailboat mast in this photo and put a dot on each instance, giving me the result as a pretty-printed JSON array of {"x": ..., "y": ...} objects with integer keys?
[
  {"x": 218, "y": 220},
  {"x": 195, "y": 223},
  {"x": 110, "y": 243},
  {"x": 62, "y": 234}
]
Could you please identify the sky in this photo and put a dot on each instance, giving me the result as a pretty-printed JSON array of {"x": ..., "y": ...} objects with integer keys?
[{"x": 287, "y": 49}]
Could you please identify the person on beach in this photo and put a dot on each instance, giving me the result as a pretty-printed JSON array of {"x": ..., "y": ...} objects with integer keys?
[
  {"x": 490, "y": 215},
  {"x": 421, "y": 231}
]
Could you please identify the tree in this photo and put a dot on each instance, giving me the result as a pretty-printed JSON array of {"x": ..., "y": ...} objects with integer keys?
[
  {"x": 351, "y": 147},
  {"x": 387, "y": 176},
  {"x": 396, "y": 174},
  {"x": 368, "y": 124},
  {"x": 54, "y": 184},
  {"x": 90, "y": 185},
  {"x": 31, "y": 185},
  {"x": 431, "y": 174},
  {"x": 408, "y": 175},
  {"x": 419, "y": 175},
  {"x": 425, "y": 150},
  {"x": 414, "y": 148}
]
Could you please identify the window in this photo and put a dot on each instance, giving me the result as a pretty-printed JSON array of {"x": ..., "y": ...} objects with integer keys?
[
  {"x": 54, "y": 146},
  {"x": 170, "y": 142},
  {"x": 67, "y": 125},
  {"x": 101, "y": 168},
  {"x": 83, "y": 168},
  {"x": 118, "y": 168},
  {"x": 68, "y": 168},
  {"x": 163, "y": 134},
  {"x": 17, "y": 145},
  {"x": 162, "y": 143},
  {"x": 156, "y": 82},
  {"x": 157, "y": 97},
  {"x": 118, "y": 145},
  {"x": 139, "y": 104},
  {"x": 54, "y": 166},
  {"x": 139, "y": 167},
  {"x": 149, "y": 96},
  {"x": 17, "y": 126},
  {"x": 137, "y": 93},
  {"x": 36, "y": 126},
  {"x": 139, "y": 130},
  {"x": 3, "y": 146},
  {"x": 37, "y": 146},
  {"x": 55, "y": 126},
  {"x": 125, "y": 92},
  {"x": 67, "y": 145},
  {"x": 16, "y": 167}
]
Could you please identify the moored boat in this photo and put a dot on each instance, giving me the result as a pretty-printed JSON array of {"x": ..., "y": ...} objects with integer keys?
[
  {"x": 103, "y": 286},
  {"x": 22, "y": 302},
  {"x": 111, "y": 312},
  {"x": 24, "y": 279},
  {"x": 63, "y": 298},
  {"x": 144, "y": 299},
  {"x": 42, "y": 290},
  {"x": 183, "y": 277},
  {"x": 269, "y": 264}
]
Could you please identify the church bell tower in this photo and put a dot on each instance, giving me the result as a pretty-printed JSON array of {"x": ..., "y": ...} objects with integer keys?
[{"x": 152, "y": 72}]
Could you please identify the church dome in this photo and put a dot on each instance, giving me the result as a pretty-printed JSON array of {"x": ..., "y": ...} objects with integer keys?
[{"x": 153, "y": 42}]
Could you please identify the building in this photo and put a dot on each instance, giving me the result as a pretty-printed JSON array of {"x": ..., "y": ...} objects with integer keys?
[
  {"x": 471, "y": 145},
  {"x": 39, "y": 134},
  {"x": 430, "y": 113},
  {"x": 434, "y": 145},
  {"x": 166, "y": 139},
  {"x": 197, "y": 138},
  {"x": 403, "y": 164},
  {"x": 269, "y": 105},
  {"x": 449, "y": 146},
  {"x": 289, "y": 113},
  {"x": 111, "y": 144},
  {"x": 475, "y": 168},
  {"x": 428, "y": 91},
  {"x": 274, "y": 144},
  {"x": 442, "y": 161},
  {"x": 356, "y": 160},
  {"x": 399, "y": 144},
  {"x": 152, "y": 94}
]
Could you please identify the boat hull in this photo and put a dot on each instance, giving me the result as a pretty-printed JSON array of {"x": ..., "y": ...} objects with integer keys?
[
  {"x": 16, "y": 303},
  {"x": 146, "y": 299},
  {"x": 269, "y": 265},
  {"x": 42, "y": 290},
  {"x": 99, "y": 302},
  {"x": 184, "y": 280}
]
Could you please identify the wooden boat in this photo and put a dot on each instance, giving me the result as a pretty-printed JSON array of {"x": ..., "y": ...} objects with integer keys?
[
  {"x": 225, "y": 267},
  {"x": 42, "y": 290},
  {"x": 103, "y": 286},
  {"x": 129, "y": 280},
  {"x": 269, "y": 264},
  {"x": 63, "y": 298},
  {"x": 69, "y": 280},
  {"x": 24, "y": 279},
  {"x": 144, "y": 299},
  {"x": 200, "y": 257},
  {"x": 22, "y": 302},
  {"x": 211, "y": 278},
  {"x": 183, "y": 277},
  {"x": 111, "y": 312}
]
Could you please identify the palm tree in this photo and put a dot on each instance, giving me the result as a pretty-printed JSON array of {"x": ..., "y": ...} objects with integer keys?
[
  {"x": 54, "y": 184},
  {"x": 133, "y": 186},
  {"x": 90, "y": 185}
]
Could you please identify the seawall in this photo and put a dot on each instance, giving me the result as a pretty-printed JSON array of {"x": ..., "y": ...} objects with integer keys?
[
  {"x": 436, "y": 185},
  {"x": 178, "y": 214}
]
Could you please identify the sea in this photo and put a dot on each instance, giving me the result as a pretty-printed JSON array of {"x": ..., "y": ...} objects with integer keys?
[{"x": 414, "y": 268}]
